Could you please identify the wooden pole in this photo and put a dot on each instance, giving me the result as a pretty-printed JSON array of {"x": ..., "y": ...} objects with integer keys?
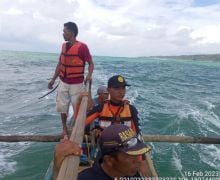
[
  {"x": 36, "y": 138},
  {"x": 70, "y": 165},
  {"x": 181, "y": 139},
  {"x": 151, "y": 165},
  {"x": 147, "y": 138}
]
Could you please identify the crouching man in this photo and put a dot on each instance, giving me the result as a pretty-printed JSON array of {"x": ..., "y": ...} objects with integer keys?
[{"x": 121, "y": 153}]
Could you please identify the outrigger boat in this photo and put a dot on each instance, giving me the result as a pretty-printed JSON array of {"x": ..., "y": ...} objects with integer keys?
[{"x": 89, "y": 144}]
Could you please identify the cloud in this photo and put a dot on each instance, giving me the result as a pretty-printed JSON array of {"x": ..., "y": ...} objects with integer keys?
[
  {"x": 13, "y": 12},
  {"x": 113, "y": 27},
  {"x": 208, "y": 34}
]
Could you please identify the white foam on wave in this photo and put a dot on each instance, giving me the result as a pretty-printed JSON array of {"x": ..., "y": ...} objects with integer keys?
[
  {"x": 214, "y": 119},
  {"x": 132, "y": 95},
  {"x": 209, "y": 105},
  {"x": 6, "y": 166},
  {"x": 205, "y": 119},
  {"x": 176, "y": 162},
  {"x": 183, "y": 113},
  {"x": 7, "y": 151},
  {"x": 209, "y": 115},
  {"x": 210, "y": 154}
]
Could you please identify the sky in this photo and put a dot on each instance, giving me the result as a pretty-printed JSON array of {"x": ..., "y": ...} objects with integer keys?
[{"x": 128, "y": 28}]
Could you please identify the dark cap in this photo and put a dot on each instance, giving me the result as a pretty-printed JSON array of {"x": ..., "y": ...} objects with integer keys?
[
  {"x": 117, "y": 81},
  {"x": 120, "y": 137}
]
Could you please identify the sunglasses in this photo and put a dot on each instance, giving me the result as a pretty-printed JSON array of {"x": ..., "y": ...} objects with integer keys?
[{"x": 130, "y": 143}]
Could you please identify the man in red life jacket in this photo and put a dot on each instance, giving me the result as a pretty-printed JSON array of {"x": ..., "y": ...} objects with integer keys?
[{"x": 70, "y": 69}]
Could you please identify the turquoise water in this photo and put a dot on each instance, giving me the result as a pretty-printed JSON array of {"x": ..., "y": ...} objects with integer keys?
[{"x": 173, "y": 97}]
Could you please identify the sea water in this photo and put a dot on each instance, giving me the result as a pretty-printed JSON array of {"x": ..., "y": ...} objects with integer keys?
[{"x": 173, "y": 96}]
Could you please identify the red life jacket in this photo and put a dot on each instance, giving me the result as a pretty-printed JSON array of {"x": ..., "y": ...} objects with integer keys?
[{"x": 71, "y": 65}]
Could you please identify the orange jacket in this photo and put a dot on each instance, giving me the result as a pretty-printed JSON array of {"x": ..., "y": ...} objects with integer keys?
[
  {"x": 111, "y": 114},
  {"x": 71, "y": 65}
]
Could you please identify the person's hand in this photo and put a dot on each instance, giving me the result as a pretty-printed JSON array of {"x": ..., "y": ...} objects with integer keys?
[
  {"x": 50, "y": 84},
  {"x": 90, "y": 104},
  {"x": 66, "y": 148},
  {"x": 97, "y": 132},
  {"x": 88, "y": 78},
  {"x": 84, "y": 93},
  {"x": 63, "y": 149},
  {"x": 144, "y": 169}
]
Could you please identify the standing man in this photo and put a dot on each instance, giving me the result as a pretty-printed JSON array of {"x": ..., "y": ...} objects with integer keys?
[{"x": 70, "y": 69}]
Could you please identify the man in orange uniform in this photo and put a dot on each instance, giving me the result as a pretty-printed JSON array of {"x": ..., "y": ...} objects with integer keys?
[
  {"x": 70, "y": 69},
  {"x": 116, "y": 110}
]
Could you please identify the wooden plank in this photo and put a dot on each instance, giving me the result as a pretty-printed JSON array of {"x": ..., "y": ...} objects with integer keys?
[
  {"x": 70, "y": 165},
  {"x": 147, "y": 138}
]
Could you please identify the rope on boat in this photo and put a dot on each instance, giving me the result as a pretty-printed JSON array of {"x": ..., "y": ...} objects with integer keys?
[{"x": 49, "y": 91}]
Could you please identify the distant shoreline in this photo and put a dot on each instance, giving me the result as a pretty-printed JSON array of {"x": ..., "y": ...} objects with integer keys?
[{"x": 199, "y": 57}]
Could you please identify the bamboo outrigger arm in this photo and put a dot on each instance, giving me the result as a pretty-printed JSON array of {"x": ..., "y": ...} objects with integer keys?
[
  {"x": 34, "y": 138},
  {"x": 181, "y": 139},
  {"x": 147, "y": 138}
]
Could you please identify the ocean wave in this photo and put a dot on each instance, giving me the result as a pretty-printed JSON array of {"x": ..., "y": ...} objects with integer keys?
[
  {"x": 132, "y": 95},
  {"x": 7, "y": 151},
  {"x": 176, "y": 161},
  {"x": 172, "y": 97},
  {"x": 6, "y": 167},
  {"x": 210, "y": 154},
  {"x": 206, "y": 120}
]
